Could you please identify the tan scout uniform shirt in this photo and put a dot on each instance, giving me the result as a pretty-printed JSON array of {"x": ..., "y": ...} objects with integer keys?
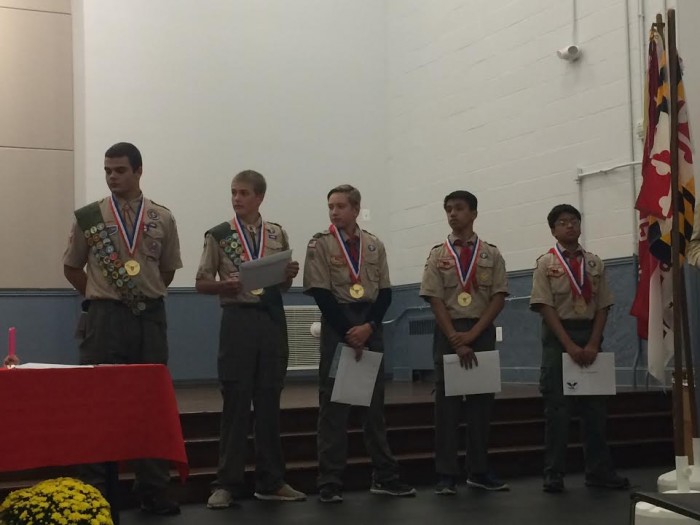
[
  {"x": 215, "y": 261},
  {"x": 551, "y": 286},
  {"x": 325, "y": 267},
  {"x": 158, "y": 250},
  {"x": 440, "y": 279}
]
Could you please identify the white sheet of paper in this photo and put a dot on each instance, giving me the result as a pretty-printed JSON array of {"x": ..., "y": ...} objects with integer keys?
[
  {"x": 354, "y": 380},
  {"x": 50, "y": 365},
  {"x": 482, "y": 379},
  {"x": 266, "y": 271},
  {"x": 595, "y": 380}
]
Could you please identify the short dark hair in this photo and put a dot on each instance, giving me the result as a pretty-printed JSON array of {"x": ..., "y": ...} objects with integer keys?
[
  {"x": 125, "y": 149},
  {"x": 462, "y": 195},
  {"x": 255, "y": 179},
  {"x": 352, "y": 192},
  {"x": 559, "y": 210}
]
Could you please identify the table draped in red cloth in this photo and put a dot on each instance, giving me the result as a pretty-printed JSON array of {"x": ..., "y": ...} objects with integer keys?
[{"x": 69, "y": 416}]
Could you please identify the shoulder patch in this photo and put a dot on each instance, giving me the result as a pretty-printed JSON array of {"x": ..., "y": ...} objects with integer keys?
[{"x": 436, "y": 247}]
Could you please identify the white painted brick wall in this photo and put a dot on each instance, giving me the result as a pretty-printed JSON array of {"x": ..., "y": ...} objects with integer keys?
[{"x": 477, "y": 99}]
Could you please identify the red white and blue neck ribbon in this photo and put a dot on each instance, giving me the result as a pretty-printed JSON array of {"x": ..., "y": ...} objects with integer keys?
[
  {"x": 578, "y": 282},
  {"x": 466, "y": 275},
  {"x": 353, "y": 265},
  {"x": 250, "y": 252},
  {"x": 131, "y": 238}
]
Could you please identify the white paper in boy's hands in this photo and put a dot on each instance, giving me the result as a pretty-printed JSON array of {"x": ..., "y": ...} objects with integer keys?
[
  {"x": 598, "y": 379},
  {"x": 482, "y": 379},
  {"x": 354, "y": 380},
  {"x": 265, "y": 271}
]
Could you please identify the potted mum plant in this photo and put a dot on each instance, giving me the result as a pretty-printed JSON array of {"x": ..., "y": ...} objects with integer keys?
[{"x": 60, "y": 501}]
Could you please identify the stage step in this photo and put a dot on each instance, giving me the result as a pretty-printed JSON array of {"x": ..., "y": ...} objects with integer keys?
[{"x": 639, "y": 429}]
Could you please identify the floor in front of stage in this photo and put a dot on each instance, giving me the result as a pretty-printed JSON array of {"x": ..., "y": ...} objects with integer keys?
[{"x": 525, "y": 504}]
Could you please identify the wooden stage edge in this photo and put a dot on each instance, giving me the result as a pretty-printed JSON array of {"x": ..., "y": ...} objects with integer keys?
[{"x": 205, "y": 397}]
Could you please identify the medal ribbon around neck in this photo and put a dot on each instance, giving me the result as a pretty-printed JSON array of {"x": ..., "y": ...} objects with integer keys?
[
  {"x": 465, "y": 276},
  {"x": 578, "y": 282},
  {"x": 353, "y": 266},
  {"x": 131, "y": 238},
  {"x": 247, "y": 248}
]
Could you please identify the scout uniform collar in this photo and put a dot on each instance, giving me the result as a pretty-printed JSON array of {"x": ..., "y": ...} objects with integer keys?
[
  {"x": 130, "y": 233},
  {"x": 576, "y": 272},
  {"x": 465, "y": 272},
  {"x": 453, "y": 239},
  {"x": 353, "y": 260},
  {"x": 252, "y": 249}
]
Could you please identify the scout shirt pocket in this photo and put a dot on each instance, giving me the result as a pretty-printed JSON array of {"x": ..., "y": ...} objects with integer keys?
[
  {"x": 484, "y": 272},
  {"x": 558, "y": 280},
  {"x": 448, "y": 273},
  {"x": 153, "y": 243},
  {"x": 272, "y": 246},
  {"x": 340, "y": 273},
  {"x": 371, "y": 265}
]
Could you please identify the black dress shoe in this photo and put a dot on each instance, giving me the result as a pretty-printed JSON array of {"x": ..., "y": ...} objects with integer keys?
[
  {"x": 159, "y": 506},
  {"x": 608, "y": 481},
  {"x": 553, "y": 482}
]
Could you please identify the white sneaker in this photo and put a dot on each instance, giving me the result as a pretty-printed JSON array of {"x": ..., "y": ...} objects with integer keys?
[{"x": 220, "y": 499}]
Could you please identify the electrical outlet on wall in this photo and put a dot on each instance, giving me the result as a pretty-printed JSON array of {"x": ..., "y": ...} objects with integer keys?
[
  {"x": 499, "y": 334},
  {"x": 364, "y": 213}
]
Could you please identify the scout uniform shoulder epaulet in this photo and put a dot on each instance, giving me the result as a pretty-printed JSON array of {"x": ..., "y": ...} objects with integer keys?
[
  {"x": 540, "y": 257},
  {"x": 593, "y": 258},
  {"x": 274, "y": 224},
  {"x": 220, "y": 231},
  {"x": 370, "y": 234},
  {"x": 160, "y": 206},
  {"x": 321, "y": 234},
  {"x": 436, "y": 247},
  {"x": 492, "y": 245}
]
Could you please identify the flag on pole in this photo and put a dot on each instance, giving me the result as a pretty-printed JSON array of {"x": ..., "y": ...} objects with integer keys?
[{"x": 653, "y": 304}]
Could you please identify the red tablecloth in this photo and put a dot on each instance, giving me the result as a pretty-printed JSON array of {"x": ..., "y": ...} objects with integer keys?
[{"x": 68, "y": 416}]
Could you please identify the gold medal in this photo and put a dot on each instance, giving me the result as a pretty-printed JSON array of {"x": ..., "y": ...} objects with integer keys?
[
  {"x": 258, "y": 291},
  {"x": 132, "y": 267},
  {"x": 357, "y": 291},
  {"x": 580, "y": 306},
  {"x": 464, "y": 299}
]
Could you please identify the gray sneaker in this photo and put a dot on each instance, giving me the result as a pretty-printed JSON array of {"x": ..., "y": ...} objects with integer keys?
[
  {"x": 220, "y": 499},
  {"x": 285, "y": 493}
]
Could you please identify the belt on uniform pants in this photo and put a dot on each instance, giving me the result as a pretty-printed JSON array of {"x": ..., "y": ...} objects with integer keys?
[
  {"x": 356, "y": 307},
  {"x": 248, "y": 306},
  {"x": 150, "y": 303},
  {"x": 577, "y": 323}
]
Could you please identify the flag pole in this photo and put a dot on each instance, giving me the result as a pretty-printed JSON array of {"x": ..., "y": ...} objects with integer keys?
[
  {"x": 673, "y": 79},
  {"x": 689, "y": 366},
  {"x": 678, "y": 427}
]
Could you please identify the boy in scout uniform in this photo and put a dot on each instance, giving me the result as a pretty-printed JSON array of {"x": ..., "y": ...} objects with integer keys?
[
  {"x": 131, "y": 248},
  {"x": 346, "y": 273},
  {"x": 465, "y": 283},
  {"x": 570, "y": 291},
  {"x": 253, "y": 349}
]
